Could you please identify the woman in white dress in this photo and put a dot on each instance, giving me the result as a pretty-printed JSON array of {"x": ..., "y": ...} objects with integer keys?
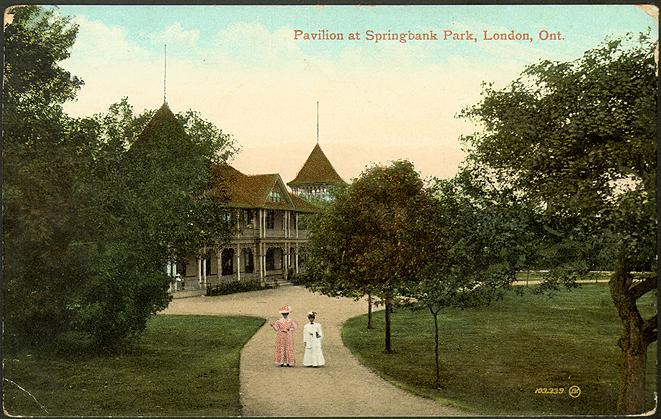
[{"x": 312, "y": 336}]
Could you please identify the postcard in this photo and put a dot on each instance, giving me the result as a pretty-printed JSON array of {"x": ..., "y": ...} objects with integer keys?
[{"x": 132, "y": 290}]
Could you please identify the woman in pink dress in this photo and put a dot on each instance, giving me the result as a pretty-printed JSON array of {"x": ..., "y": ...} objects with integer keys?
[{"x": 284, "y": 339}]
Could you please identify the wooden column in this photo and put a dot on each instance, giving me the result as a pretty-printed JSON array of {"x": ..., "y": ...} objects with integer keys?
[
  {"x": 199, "y": 270},
  {"x": 238, "y": 261},
  {"x": 219, "y": 256},
  {"x": 204, "y": 271}
]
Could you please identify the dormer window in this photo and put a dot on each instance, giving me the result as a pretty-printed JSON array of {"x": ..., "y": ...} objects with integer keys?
[{"x": 274, "y": 196}]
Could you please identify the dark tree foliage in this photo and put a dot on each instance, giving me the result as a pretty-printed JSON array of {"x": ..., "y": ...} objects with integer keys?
[
  {"x": 577, "y": 142},
  {"x": 368, "y": 239},
  {"x": 93, "y": 207},
  {"x": 45, "y": 233}
]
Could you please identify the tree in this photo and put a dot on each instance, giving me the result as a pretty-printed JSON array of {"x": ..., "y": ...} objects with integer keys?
[
  {"x": 42, "y": 167},
  {"x": 367, "y": 239},
  {"x": 466, "y": 263},
  {"x": 577, "y": 140},
  {"x": 159, "y": 204},
  {"x": 87, "y": 228}
]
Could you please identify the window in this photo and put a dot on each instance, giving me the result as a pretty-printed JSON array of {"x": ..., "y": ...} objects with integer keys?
[
  {"x": 227, "y": 261},
  {"x": 274, "y": 258},
  {"x": 207, "y": 263},
  {"x": 270, "y": 219},
  {"x": 247, "y": 217},
  {"x": 270, "y": 259},
  {"x": 249, "y": 264},
  {"x": 274, "y": 196}
]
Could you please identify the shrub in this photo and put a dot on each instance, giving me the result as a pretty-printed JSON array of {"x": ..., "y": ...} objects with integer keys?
[{"x": 232, "y": 287}]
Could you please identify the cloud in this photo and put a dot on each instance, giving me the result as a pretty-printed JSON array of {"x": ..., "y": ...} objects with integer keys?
[
  {"x": 176, "y": 35},
  {"x": 112, "y": 66},
  {"x": 95, "y": 38}
]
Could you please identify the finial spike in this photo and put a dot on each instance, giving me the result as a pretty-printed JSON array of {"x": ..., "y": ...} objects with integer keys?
[
  {"x": 317, "y": 122},
  {"x": 165, "y": 72}
]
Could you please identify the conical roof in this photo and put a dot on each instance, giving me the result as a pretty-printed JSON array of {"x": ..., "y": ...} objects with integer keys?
[
  {"x": 163, "y": 124},
  {"x": 317, "y": 170}
]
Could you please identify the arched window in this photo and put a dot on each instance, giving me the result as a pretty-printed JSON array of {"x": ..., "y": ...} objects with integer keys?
[
  {"x": 207, "y": 262},
  {"x": 270, "y": 259},
  {"x": 274, "y": 258},
  {"x": 227, "y": 260},
  {"x": 248, "y": 261}
]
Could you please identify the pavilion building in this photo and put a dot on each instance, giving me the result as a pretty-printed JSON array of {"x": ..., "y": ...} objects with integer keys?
[
  {"x": 270, "y": 233},
  {"x": 269, "y": 245},
  {"x": 270, "y": 236}
]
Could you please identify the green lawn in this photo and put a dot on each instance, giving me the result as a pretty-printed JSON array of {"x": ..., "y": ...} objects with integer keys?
[
  {"x": 494, "y": 358},
  {"x": 184, "y": 365}
]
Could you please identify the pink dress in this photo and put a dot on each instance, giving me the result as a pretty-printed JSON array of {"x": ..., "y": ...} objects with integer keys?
[{"x": 284, "y": 341}]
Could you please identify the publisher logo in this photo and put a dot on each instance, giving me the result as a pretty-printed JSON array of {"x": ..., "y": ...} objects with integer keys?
[{"x": 574, "y": 391}]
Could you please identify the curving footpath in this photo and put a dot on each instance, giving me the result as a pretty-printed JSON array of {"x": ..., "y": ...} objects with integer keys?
[{"x": 343, "y": 387}]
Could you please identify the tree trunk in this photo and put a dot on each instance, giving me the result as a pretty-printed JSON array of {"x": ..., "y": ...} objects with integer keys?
[
  {"x": 638, "y": 334},
  {"x": 631, "y": 395},
  {"x": 369, "y": 312},
  {"x": 527, "y": 276},
  {"x": 388, "y": 349},
  {"x": 437, "y": 381}
]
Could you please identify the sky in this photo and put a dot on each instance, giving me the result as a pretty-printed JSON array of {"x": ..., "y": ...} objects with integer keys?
[{"x": 243, "y": 69}]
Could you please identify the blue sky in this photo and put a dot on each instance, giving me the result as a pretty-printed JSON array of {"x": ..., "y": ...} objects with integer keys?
[{"x": 242, "y": 69}]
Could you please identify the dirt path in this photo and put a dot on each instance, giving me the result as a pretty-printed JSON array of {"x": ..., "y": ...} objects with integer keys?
[{"x": 341, "y": 388}]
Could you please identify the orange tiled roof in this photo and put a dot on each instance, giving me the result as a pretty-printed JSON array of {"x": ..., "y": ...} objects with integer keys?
[{"x": 317, "y": 170}]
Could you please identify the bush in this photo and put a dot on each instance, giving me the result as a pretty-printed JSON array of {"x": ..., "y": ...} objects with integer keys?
[
  {"x": 295, "y": 279},
  {"x": 234, "y": 287}
]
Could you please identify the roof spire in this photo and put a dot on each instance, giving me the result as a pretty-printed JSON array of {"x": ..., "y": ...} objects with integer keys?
[
  {"x": 317, "y": 122},
  {"x": 165, "y": 71}
]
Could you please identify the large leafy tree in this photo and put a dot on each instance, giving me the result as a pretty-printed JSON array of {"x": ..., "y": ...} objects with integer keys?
[
  {"x": 577, "y": 141},
  {"x": 367, "y": 240},
  {"x": 93, "y": 207},
  {"x": 43, "y": 229},
  {"x": 164, "y": 172}
]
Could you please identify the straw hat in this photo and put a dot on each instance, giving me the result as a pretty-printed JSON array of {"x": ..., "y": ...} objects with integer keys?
[{"x": 284, "y": 309}]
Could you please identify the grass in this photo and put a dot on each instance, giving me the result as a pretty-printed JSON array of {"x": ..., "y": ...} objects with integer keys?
[
  {"x": 184, "y": 365},
  {"x": 494, "y": 358}
]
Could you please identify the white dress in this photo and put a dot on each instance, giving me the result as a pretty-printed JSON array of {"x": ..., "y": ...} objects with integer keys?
[{"x": 312, "y": 336}]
